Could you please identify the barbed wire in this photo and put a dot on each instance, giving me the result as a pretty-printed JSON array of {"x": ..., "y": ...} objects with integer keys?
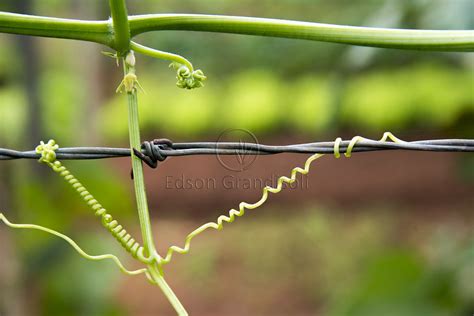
[{"x": 159, "y": 149}]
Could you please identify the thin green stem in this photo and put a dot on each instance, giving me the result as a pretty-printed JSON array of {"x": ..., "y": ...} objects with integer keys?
[
  {"x": 122, "y": 46},
  {"x": 140, "y": 193},
  {"x": 121, "y": 28},
  {"x": 138, "y": 178},
  {"x": 92, "y": 31},
  {"x": 436, "y": 40},
  {"x": 172, "y": 298},
  {"x": 122, "y": 39},
  {"x": 161, "y": 55}
]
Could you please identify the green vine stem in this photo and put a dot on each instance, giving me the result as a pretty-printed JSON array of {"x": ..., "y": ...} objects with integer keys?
[
  {"x": 363, "y": 36},
  {"x": 22, "y": 24},
  {"x": 138, "y": 179},
  {"x": 167, "y": 291},
  {"x": 130, "y": 85},
  {"x": 120, "y": 18},
  {"x": 102, "y": 31}
]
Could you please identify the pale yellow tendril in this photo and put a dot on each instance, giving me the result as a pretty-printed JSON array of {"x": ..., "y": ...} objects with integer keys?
[
  {"x": 233, "y": 213},
  {"x": 77, "y": 247},
  {"x": 386, "y": 136}
]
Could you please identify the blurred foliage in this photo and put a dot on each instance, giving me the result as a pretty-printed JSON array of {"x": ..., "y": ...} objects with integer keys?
[
  {"x": 13, "y": 112},
  {"x": 420, "y": 97},
  {"x": 429, "y": 96}
]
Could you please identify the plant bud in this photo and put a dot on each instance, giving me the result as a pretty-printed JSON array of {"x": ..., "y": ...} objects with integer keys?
[{"x": 130, "y": 59}]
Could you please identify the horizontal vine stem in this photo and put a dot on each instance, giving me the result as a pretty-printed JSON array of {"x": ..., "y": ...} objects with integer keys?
[
  {"x": 436, "y": 40},
  {"x": 101, "y": 31},
  {"x": 22, "y": 24}
]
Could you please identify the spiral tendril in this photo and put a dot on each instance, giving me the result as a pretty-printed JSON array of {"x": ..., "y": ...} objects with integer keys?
[
  {"x": 233, "y": 213},
  {"x": 188, "y": 78},
  {"x": 48, "y": 156}
]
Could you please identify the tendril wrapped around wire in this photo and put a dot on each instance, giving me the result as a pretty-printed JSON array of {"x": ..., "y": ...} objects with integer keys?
[
  {"x": 233, "y": 213},
  {"x": 48, "y": 156}
]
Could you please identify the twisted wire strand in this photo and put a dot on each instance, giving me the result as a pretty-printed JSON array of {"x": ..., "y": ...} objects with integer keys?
[
  {"x": 76, "y": 247},
  {"x": 158, "y": 151},
  {"x": 233, "y": 213},
  {"x": 48, "y": 156}
]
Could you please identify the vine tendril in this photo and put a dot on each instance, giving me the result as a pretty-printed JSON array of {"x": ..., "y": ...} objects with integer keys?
[
  {"x": 76, "y": 247},
  {"x": 187, "y": 77},
  {"x": 48, "y": 156},
  {"x": 233, "y": 213},
  {"x": 386, "y": 136}
]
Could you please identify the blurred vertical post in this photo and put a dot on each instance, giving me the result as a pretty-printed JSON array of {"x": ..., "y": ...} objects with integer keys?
[
  {"x": 29, "y": 55},
  {"x": 89, "y": 76},
  {"x": 13, "y": 287}
]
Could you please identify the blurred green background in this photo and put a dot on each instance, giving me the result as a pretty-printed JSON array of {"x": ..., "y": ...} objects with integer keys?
[{"x": 379, "y": 234}]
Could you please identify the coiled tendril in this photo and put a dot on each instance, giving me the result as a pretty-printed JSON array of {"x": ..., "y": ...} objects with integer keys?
[
  {"x": 188, "y": 78},
  {"x": 233, "y": 213},
  {"x": 48, "y": 156}
]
